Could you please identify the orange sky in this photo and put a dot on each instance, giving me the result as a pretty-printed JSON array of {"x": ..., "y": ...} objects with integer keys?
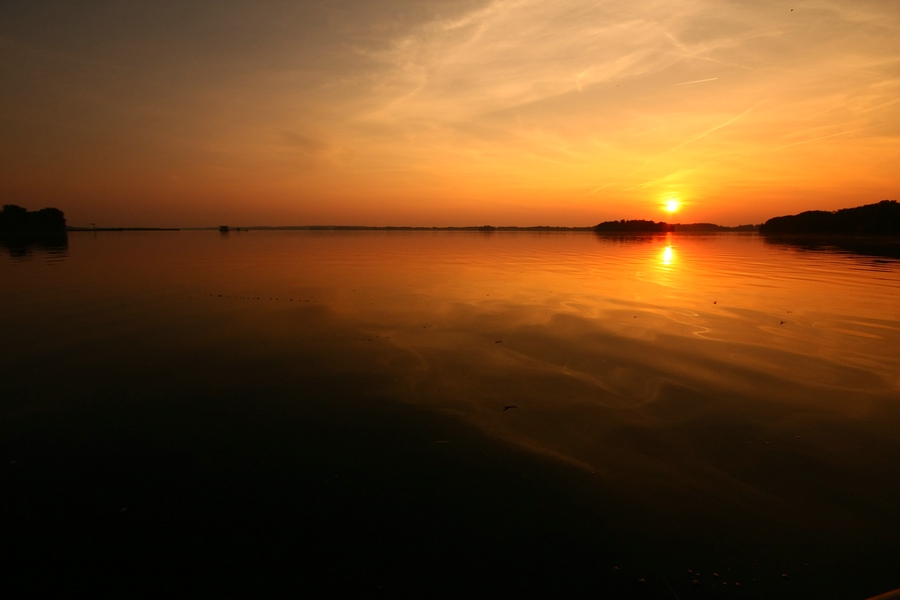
[{"x": 439, "y": 112}]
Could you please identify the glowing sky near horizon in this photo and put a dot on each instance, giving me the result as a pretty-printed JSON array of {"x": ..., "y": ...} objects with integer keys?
[{"x": 435, "y": 112}]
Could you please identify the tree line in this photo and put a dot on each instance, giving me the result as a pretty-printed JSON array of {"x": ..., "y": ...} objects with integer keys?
[{"x": 881, "y": 219}]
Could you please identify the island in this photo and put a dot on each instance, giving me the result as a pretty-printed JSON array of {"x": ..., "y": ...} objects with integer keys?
[
  {"x": 17, "y": 220},
  {"x": 713, "y": 228},
  {"x": 633, "y": 226},
  {"x": 21, "y": 228},
  {"x": 640, "y": 226}
]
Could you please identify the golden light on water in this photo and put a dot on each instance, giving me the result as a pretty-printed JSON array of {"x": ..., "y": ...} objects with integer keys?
[{"x": 668, "y": 255}]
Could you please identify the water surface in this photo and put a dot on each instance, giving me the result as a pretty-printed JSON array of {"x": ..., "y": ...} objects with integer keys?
[{"x": 695, "y": 416}]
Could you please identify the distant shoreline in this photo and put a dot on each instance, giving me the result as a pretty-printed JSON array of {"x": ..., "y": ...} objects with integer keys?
[
  {"x": 678, "y": 228},
  {"x": 881, "y": 219},
  {"x": 92, "y": 229},
  {"x": 330, "y": 228},
  {"x": 686, "y": 230}
]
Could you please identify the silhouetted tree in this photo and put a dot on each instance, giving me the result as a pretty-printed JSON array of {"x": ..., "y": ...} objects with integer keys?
[
  {"x": 15, "y": 219},
  {"x": 21, "y": 228}
]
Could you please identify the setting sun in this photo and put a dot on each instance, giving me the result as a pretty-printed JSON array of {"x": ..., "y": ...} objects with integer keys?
[{"x": 671, "y": 206}]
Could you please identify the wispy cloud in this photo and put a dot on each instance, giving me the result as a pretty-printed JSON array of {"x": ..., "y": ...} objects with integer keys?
[
  {"x": 695, "y": 81},
  {"x": 511, "y": 53},
  {"x": 596, "y": 103}
]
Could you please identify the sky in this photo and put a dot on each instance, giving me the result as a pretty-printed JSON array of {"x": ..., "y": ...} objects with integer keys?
[{"x": 444, "y": 113}]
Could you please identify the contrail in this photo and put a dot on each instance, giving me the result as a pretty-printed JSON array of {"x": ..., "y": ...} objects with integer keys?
[
  {"x": 709, "y": 131},
  {"x": 816, "y": 139},
  {"x": 690, "y": 82},
  {"x": 694, "y": 139},
  {"x": 594, "y": 191},
  {"x": 663, "y": 178}
]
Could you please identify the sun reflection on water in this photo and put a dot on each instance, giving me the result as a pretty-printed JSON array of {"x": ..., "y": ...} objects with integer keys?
[{"x": 668, "y": 256}]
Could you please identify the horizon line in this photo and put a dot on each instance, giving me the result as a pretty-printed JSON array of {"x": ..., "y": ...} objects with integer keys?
[{"x": 396, "y": 227}]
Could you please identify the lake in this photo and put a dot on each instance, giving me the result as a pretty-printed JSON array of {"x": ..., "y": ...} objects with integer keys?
[{"x": 450, "y": 413}]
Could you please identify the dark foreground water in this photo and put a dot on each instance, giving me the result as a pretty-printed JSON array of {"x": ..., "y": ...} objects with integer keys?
[{"x": 449, "y": 414}]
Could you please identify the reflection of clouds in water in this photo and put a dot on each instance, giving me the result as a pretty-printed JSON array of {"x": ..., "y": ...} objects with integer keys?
[
  {"x": 567, "y": 361},
  {"x": 649, "y": 406}
]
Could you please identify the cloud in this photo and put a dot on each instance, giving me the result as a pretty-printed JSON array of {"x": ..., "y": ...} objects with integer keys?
[
  {"x": 510, "y": 53},
  {"x": 609, "y": 100}
]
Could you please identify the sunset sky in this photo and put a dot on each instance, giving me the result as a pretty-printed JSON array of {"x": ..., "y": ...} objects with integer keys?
[{"x": 439, "y": 112}]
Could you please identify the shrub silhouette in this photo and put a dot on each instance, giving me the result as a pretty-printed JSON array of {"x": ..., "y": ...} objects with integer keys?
[{"x": 15, "y": 219}]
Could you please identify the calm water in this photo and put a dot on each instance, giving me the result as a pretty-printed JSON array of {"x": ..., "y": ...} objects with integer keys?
[{"x": 694, "y": 416}]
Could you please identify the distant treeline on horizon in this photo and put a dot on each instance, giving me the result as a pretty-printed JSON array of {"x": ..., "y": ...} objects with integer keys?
[
  {"x": 880, "y": 219},
  {"x": 642, "y": 226},
  {"x": 406, "y": 228}
]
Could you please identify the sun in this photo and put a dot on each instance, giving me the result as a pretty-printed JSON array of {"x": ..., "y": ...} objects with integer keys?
[{"x": 671, "y": 206}]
